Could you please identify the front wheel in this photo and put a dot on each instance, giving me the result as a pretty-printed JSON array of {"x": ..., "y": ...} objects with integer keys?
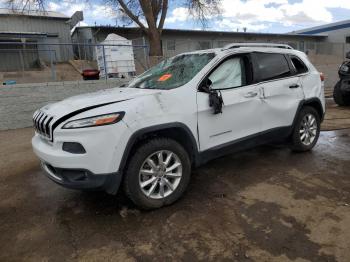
[
  {"x": 157, "y": 174},
  {"x": 306, "y": 130}
]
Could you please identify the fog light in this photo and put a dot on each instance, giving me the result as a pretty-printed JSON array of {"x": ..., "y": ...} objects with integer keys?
[{"x": 73, "y": 147}]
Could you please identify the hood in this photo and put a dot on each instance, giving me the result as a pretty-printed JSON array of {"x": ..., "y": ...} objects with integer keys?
[{"x": 95, "y": 99}]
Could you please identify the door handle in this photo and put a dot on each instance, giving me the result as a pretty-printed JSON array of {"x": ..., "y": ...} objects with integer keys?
[
  {"x": 294, "y": 86},
  {"x": 250, "y": 94}
]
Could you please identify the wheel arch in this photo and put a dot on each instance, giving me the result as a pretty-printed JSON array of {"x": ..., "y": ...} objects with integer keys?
[
  {"x": 313, "y": 102},
  {"x": 177, "y": 131}
]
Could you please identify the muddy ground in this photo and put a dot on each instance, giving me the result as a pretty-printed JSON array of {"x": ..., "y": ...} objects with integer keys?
[
  {"x": 336, "y": 118},
  {"x": 267, "y": 204}
]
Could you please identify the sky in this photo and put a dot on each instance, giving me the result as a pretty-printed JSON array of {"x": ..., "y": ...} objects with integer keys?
[{"x": 271, "y": 16}]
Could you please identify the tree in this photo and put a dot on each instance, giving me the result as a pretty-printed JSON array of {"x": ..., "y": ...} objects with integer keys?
[
  {"x": 150, "y": 15},
  {"x": 23, "y": 5}
]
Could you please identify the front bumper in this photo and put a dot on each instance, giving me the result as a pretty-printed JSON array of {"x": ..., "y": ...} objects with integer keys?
[
  {"x": 104, "y": 148},
  {"x": 96, "y": 168},
  {"x": 82, "y": 179}
]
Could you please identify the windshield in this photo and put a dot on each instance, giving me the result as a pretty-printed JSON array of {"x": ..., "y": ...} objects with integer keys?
[{"x": 172, "y": 72}]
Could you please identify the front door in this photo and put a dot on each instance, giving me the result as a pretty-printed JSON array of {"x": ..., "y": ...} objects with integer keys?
[{"x": 240, "y": 115}]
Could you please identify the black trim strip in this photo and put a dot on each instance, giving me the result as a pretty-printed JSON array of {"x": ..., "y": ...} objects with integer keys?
[
  {"x": 47, "y": 128},
  {"x": 264, "y": 137},
  {"x": 107, "y": 182},
  {"x": 141, "y": 132},
  {"x": 244, "y": 143},
  {"x": 222, "y": 133},
  {"x": 275, "y": 134},
  {"x": 38, "y": 122},
  {"x": 309, "y": 101},
  {"x": 42, "y": 124},
  {"x": 74, "y": 113}
]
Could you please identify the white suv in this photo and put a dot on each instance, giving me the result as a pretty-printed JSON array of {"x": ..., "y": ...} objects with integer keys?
[{"x": 183, "y": 112}]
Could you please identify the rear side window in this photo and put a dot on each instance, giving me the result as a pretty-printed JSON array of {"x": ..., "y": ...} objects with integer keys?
[
  {"x": 300, "y": 67},
  {"x": 271, "y": 66}
]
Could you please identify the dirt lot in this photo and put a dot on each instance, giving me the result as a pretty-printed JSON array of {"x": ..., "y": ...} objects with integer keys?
[
  {"x": 64, "y": 72},
  {"x": 266, "y": 204}
]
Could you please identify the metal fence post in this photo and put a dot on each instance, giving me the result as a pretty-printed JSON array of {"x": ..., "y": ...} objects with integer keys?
[
  {"x": 85, "y": 51},
  {"x": 22, "y": 61},
  {"x": 104, "y": 62},
  {"x": 53, "y": 71},
  {"x": 145, "y": 51}
]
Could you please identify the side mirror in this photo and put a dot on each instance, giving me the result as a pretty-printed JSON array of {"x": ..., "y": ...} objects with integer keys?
[
  {"x": 348, "y": 55},
  {"x": 206, "y": 85}
]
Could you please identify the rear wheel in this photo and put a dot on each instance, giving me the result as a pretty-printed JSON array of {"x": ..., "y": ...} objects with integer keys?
[
  {"x": 306, "y": 130},
  {"x": 157, "y": 174}
]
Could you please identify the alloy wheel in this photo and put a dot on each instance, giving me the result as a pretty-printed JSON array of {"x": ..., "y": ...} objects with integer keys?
[
  {"x": 308, "y": 129},
  {"x": 160, "y": 174}
]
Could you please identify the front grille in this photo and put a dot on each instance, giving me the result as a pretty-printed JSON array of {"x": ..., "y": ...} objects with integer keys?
[{"x": 43, "y": 124}]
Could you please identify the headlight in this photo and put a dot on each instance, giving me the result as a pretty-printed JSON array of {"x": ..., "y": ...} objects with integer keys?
[{"x": 100, "y": 120}]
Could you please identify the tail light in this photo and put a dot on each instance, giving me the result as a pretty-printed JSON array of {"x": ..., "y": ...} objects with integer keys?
[{"x": 322, "y": 77}]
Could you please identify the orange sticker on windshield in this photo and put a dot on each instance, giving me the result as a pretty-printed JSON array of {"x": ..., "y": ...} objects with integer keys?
[{"x": 165, "y": 77}]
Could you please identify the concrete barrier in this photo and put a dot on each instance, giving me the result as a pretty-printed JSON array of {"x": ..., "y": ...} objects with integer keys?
[{"x": 18, "y": 102}]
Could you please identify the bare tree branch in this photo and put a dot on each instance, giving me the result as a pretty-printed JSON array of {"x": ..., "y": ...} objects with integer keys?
[
  {"x": 130, "y": 14},
  {"x": 164, "y": 13},
  {"x": 23, "y": 5},
  {"x": 203, "y": 10}
]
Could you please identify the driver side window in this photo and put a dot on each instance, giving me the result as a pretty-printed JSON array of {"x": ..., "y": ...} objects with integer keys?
[{"x": 230, "y": 74}]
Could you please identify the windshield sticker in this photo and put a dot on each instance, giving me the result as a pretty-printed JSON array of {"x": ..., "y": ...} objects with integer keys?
[{"x": 165, "y": 77}]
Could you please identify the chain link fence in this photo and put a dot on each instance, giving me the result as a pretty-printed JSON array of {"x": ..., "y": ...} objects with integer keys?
[{"x": 31, "y": 62}]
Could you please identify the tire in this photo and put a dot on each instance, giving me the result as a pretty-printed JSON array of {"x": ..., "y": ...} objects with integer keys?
[
  {"x": 306, "y": 130},
  {"x": 148, "y": 158},
  {"x": 337, "y": 95}
]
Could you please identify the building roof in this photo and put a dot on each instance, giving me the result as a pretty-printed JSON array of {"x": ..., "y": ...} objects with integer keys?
[
  {"x": 26, "y": 34},
  {"x": 323, "y": 29},
  {"x": 197, "y": 32},
  {"x": 46, "y": 14}
]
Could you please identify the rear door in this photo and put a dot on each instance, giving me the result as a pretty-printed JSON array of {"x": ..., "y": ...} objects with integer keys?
[
  {"x": 310, "y": 80},
  {"x": 281, "y": 87}
]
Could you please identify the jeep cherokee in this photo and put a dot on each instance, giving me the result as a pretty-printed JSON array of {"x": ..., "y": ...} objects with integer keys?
[{"x": 188, "y": 109}]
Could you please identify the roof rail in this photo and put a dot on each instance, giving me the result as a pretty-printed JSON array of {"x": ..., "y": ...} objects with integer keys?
[{"x": 266, "y": 45}]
